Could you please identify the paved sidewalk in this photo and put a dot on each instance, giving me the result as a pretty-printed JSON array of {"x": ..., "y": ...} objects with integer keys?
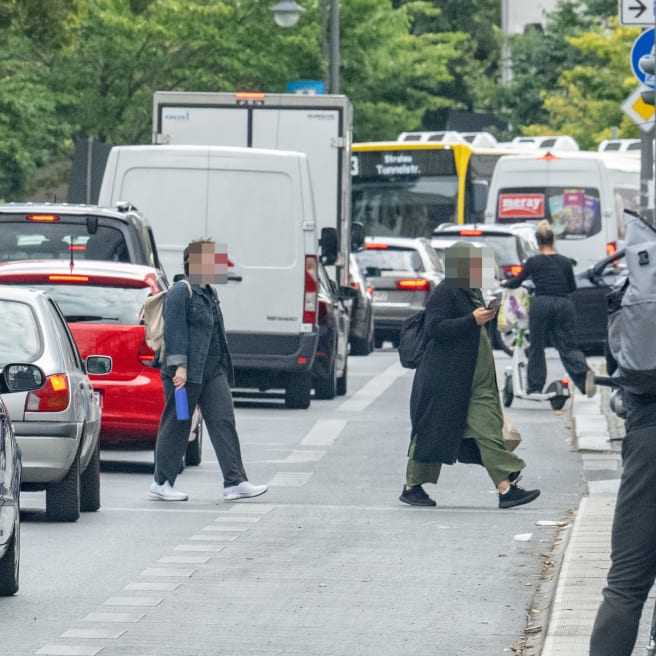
[{"x": 598, "y": 438}]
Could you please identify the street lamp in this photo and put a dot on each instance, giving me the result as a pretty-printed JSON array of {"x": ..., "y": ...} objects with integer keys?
[{"x": 286, "y": 14}]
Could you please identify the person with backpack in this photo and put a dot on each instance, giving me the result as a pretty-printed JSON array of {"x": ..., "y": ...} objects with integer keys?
[
  {"x": 455, "y": 408},
  {"x": 631, "y": 363},
  {"x": 197, "y": 359},
  {"x": 552, "y": 313}
]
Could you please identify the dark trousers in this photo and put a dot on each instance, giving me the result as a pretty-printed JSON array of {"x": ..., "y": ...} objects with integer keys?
[
  {"x": 553, "y": 315},
  {"x": 633, "y": 544},
  {"x": 214, "y": 397}
]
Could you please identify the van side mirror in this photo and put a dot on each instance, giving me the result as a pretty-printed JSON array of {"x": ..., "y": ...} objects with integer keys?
[
  {"x": 357, "y": 236},
  {"x": 348, "y": 293},
  {"x": 329, "y": 246},
  {"x": 479, "y": 196}
]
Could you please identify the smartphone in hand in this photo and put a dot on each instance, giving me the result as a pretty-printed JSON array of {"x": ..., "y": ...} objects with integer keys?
[{"x": 494, "y": 303}]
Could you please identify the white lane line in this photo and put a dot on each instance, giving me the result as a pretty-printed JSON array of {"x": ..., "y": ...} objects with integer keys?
[
  {"x": 165, "y": 572},
  {"x": 151, "y": 586},
  {"x": 199, "y": 547},
  {"x": 100, "y": 634},
  {"x": 133, "y": 601},
  {"x": 297, "y": 456},
  {"x": 191, "y": 560},
  {"x": 373, "y": 389},
  {"x": 290, "y": 479},
  {"x": 255, "y": 508},
  {"x": 114, "y": 617},
  {"x": 69, "y": 650},
  {"x": 226, "y": 529},
  {"x": 239, "y": 520},
  {"x": 213, "y": 538},
  {"x": 324, "y": 432}
]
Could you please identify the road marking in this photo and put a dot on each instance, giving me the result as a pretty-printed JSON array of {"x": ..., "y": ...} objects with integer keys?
[
  {"x": 168, "y": 572},
  {"x": 104, "y": 634},
  {"x": 237, "y": 520},
  {"x": 152, "y": 586},
  {"x": 290, "y": 479},
  {"x": 324, "y": 432},
  {"x": 214, "y": 538},
  {"x": 297, "y": 456},
  {"x": 114, "y": 617},
  {"x": 195, "y": 560},
  {"x": 133, "y": 601},
  {"x": 199, "y": 547},
  {"x": 373, "y": 389},
  {"x": 255, "y": 508},
  {"x": 69, "y": 650},
  {"x": 226, "y": 529}
]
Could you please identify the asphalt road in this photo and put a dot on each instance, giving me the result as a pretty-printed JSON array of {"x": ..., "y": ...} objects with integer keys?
[{"x": 327, "y": 563}]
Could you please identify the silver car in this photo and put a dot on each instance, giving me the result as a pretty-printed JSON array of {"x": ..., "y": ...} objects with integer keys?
[{"x": 57, "y": 425}]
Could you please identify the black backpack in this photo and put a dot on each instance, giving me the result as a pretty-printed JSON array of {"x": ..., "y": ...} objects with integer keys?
[{"x": 412, "y": 340}]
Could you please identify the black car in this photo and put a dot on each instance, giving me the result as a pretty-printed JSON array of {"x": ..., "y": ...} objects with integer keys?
[
  {"x": 590, "y": 303},
  {"x": 330, "y": 368},
  {"x": 361, "y": 334},
  {"x": 14, "y": 378},
  {"x": 38, "y": 231}
]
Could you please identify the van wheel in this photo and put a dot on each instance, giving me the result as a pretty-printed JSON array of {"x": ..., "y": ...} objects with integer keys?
[
  {"x": 10, "y": 564},
  {"x": 326, "y": 388},
  {"x": 342, "y": 383},
  {"x": 298, "y": 391},
  {"x": 63, "y": 498},
  {"x": 90, "y": 483},
  {"x": 194, "y": 453}
]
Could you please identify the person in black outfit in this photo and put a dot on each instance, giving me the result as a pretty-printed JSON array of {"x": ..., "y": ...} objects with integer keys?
[{"x": 552, "y": 312}]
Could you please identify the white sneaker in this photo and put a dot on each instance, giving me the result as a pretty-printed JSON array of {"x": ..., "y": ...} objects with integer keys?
[
  {"x": 245, "y": 490},
  {"x": 165, "y": 492}
]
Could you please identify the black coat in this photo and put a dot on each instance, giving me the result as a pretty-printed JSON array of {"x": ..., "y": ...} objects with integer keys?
[{"x": 441, "y": 388}]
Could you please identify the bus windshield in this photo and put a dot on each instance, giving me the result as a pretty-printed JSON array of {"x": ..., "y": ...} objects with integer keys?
[{"x": 404, "y": 193}]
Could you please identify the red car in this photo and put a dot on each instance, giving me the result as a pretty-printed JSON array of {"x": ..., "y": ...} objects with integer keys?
[{"x": 102, "y": 302}]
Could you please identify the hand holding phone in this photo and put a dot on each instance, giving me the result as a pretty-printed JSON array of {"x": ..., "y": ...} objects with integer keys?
[{"x": 494, "y": 303}]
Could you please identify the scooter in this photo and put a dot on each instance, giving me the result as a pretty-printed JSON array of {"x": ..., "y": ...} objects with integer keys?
[{"x": 514, "y": 383}]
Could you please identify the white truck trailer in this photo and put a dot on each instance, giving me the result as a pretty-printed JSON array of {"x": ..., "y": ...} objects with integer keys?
[{"x": 318, "y": 125}]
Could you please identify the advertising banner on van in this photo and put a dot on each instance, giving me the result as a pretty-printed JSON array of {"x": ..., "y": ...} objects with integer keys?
[{"x": 521, "y": 206}]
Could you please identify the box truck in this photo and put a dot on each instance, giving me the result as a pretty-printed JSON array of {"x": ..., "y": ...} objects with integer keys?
[
  {"x": 318, "y": 125},
  {"x": 582, "y": 195},
  {"x": 260, "y": 204}
]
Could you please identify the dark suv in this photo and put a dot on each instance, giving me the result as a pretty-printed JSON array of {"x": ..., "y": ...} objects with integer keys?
[{"x": 38, "y": 231}]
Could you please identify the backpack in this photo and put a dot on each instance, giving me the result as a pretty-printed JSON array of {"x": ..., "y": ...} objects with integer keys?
[
  {"x": 632, "y": 310},
  {"x": 152, "y": 314},
  {"x": 412, "y": 340}
]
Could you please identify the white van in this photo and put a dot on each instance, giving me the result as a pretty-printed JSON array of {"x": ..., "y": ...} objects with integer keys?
[
  {"x": 259, "y": 204},
  {"x": 582, "y": 194}
]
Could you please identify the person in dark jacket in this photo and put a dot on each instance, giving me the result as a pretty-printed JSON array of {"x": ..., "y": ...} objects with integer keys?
[
  {"x": 454, "y": 405},
  {"x": 552, "y": 312},
  {"x": 197, "y": 358}
]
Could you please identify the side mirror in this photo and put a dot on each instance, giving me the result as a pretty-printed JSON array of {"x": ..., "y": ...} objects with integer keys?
[
  {"x": 22, "y": 377},
  {"x": 329, "y": 246},
  {"x": 348, "y": 293},
  {"x": 479, "y": 196},
  {"x": 98, "y": 365},
  {"x": 357, "y": 236}
]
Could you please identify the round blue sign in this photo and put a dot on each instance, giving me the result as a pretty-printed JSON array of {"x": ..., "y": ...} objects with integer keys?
[{"x": 643, "y": 45}]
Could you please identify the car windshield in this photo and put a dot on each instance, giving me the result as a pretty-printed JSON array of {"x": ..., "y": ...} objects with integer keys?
[
  {"x": 505, "y": 247},
  {"x": 21, "y": 239},
  {"x": 100, "y": 304},
  {"x": 390, "y": 259},
  {"x": 20, "y": 339}
]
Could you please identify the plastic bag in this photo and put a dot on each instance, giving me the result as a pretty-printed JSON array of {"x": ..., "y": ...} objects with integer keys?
[{"x": 513, "y": 312}]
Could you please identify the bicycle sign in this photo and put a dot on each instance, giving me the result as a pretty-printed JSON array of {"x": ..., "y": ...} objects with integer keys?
[{"x": 643, "y": 45}]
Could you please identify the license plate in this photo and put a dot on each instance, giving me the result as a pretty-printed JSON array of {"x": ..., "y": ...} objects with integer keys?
[{"x": 380, "y": 296}]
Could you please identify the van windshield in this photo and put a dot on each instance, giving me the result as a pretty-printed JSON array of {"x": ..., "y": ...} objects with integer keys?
[
  {"x": 574, "y": 212},
  {"x": 21, "y": 239}
]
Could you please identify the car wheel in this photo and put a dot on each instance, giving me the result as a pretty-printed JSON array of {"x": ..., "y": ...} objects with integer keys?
[
  {"x": 298, "y": 391},
  {"x": 194, "y": 453},
  {"x": 359, "y": 346},
  {"x": 378, "y": 342},
  {"x": 10, "y": 564},
  {"x": 90, "y": 483},
  {"x": 326, "y": 388},
  {"x": 63, "y": 498},
  {"x": 342, "y": 383}
]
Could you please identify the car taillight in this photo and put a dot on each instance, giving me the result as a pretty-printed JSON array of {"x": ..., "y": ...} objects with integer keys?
[
  {"x": 146, "y": 355},
  {"x": 413, "y": 285},
  {"x": 54, "y": 396},
  {"x": 512, "y": 269},
  {"x": 471, "y": 233},
  {"x": 373, "y": 246},
  {"x": 310, "y": 291},
  {"x": 46, "y": 218}
]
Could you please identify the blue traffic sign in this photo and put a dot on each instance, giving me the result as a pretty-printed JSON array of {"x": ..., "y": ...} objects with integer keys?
[{"x": 643, "y": 45}]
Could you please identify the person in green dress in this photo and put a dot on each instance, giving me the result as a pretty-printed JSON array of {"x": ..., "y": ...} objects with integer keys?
[{"x": 455, "y": 406}]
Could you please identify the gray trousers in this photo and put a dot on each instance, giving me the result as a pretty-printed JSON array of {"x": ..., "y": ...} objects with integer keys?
[
  {"x": 214, "y": 397},
  {"x": 633, "y": 542}
]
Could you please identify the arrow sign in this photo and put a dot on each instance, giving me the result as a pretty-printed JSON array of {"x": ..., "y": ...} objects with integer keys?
[{"x": 636, "y": 12}]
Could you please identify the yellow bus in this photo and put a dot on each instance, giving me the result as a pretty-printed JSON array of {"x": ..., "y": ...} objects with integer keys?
[{"x": 406, "y": 189}]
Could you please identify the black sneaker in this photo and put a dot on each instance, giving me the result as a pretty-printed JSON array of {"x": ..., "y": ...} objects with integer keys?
[
  {"x": 416, "y": 496},
  {"x": 517, "y": 496}
]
